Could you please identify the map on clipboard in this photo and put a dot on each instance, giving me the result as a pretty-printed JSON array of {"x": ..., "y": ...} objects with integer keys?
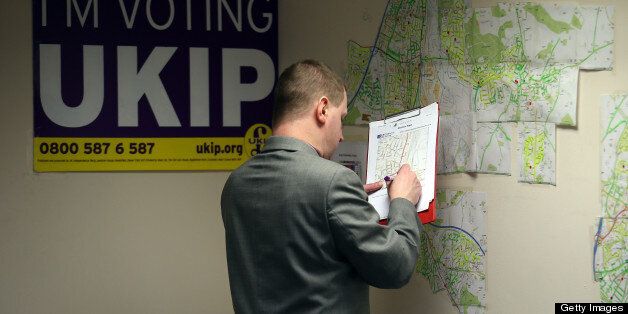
[{"x": 407, "y": 138}]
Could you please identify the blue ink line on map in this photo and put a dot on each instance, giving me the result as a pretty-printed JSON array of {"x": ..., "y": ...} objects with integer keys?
[
  {"x": 597, "y": 237},
  {"x": 464, "y": 231}
]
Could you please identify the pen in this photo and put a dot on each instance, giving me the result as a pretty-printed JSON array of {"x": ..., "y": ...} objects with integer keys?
[{"x": 390, "y": 177}]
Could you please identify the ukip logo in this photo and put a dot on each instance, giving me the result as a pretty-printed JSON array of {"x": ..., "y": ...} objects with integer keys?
[{"x": 255, "y": 138}]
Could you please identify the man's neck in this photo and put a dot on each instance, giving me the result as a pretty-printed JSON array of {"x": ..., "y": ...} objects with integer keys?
[{"x": 300, "y": 130}]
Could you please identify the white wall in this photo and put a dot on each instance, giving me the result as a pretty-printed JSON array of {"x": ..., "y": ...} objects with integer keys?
[{"x": 153, "y": 242}]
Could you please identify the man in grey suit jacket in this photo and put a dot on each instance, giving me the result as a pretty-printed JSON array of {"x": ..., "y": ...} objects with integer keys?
[{"x": 301, "y": 235}]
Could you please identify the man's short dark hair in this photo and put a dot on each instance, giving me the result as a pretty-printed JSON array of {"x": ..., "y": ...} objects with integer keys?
[{"x": 301, "y": 84}]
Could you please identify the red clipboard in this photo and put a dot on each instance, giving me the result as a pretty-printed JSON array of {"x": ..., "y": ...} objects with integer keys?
[{"x": 428, "y": 215}]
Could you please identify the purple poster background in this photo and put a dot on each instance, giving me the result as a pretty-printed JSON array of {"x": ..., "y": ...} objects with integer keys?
[{"x": 50, "y": 27}]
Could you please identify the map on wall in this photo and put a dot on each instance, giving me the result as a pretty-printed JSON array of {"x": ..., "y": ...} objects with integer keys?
[
  {"x": 537, "y": 152},
  {"x": 383, "y": 80},
  {"x": 611, "y": 254},
  {"x": 459, "y": 129},
  {"x": 453, "y": 249},
  {"x": 509, "y": 63},
  {"x": 614, "y": 157},
  {"x": 493, "y": 147},
  {"x": 610, "y": 248}
]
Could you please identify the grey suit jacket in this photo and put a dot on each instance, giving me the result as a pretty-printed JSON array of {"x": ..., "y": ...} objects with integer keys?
[{"x": 302, "y": 238}]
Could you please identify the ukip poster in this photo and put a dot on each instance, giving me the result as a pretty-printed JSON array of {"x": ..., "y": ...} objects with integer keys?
[{"x": 141, "y": 85}]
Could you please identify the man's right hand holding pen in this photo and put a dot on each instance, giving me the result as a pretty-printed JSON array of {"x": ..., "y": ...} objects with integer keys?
[{"x": 404, "y": 184}]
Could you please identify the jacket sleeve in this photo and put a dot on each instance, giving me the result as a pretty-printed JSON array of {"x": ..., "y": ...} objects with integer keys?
[{"x": 385, "y": 256}]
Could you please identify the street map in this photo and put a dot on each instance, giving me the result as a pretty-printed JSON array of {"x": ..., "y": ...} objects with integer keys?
[
  {"x": 512, "y": 62},
  {"x": 453, "y": 249},
  {"x": 610, "y": 247}
]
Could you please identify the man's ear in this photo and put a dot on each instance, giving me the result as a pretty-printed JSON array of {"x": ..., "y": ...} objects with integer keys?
[{"x": 321, "y": 109}]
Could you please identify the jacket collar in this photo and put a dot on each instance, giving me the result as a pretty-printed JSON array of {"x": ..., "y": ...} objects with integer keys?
[{"x": 289, "y": 144}]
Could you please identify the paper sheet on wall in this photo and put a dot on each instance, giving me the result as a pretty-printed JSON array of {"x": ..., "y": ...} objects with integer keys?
[
  {"x": 352, "y": 154},
  {"x": 611, "y": 241},
  {"x": 456, "y": 144},
  {"x": 537, "y": 152},
  {"x": 453, "y": 249}
]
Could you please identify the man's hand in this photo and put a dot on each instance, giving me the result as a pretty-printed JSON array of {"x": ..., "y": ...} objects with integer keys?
[
  {"x": 406, "y": 185},
  {"x": 373, "y": 187}
]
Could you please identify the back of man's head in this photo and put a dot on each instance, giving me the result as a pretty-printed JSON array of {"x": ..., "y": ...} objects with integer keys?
[{"x": 300, "y": 85}]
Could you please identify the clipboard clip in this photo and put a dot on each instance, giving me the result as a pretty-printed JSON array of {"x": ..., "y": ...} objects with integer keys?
[{"x": 387, "y": 119}]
